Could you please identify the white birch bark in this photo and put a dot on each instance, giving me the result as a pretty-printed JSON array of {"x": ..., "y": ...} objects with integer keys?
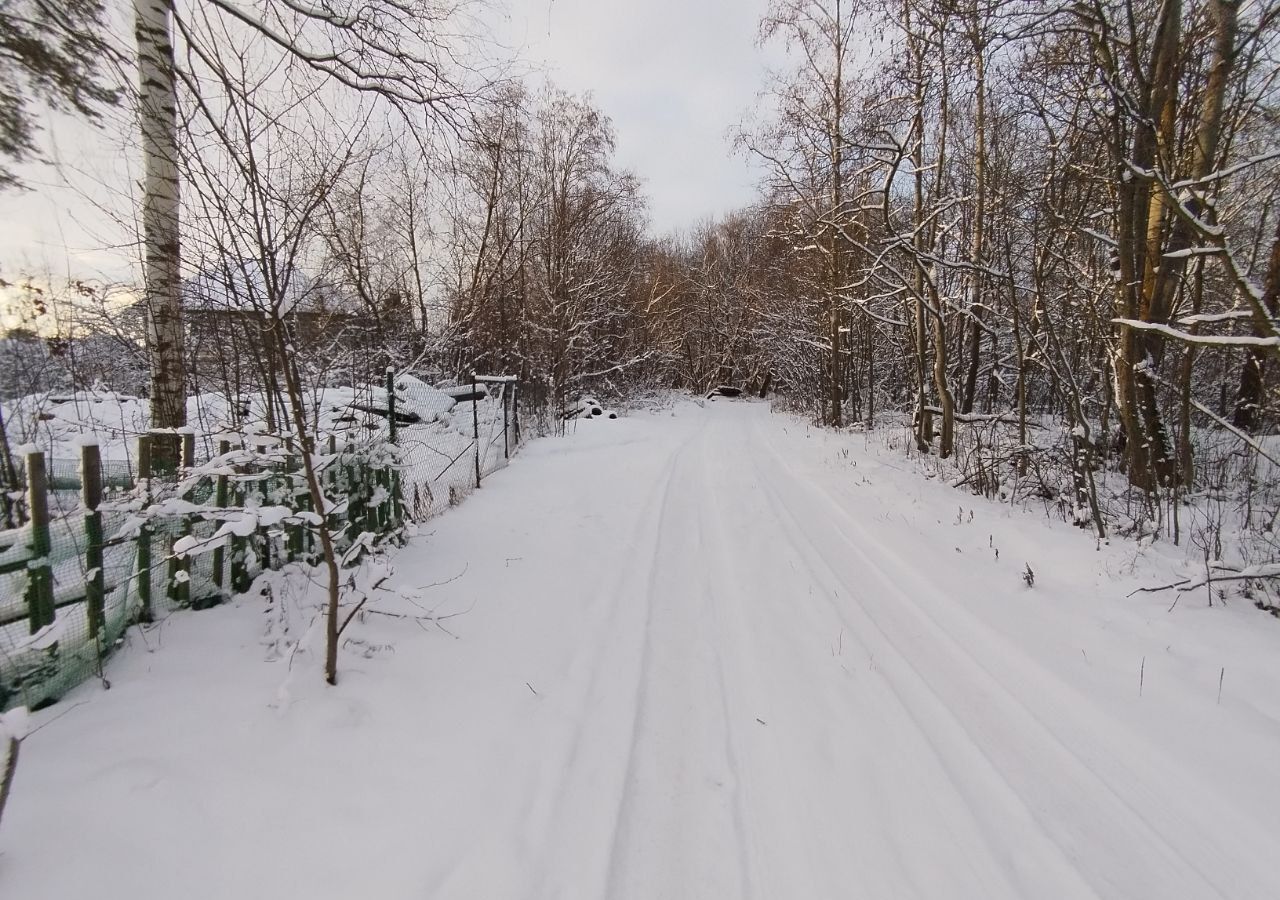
[{"x": 160, "y": 241}]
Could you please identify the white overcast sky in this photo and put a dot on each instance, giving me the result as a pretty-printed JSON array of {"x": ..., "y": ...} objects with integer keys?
[{"x": 675, "y": 77}]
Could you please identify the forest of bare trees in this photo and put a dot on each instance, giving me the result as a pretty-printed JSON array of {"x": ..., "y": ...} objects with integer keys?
[
  {"x": 1042, "y": 236},
  {"x": 1037, "y": 215},
  {"x": 1025, "y": 249}
]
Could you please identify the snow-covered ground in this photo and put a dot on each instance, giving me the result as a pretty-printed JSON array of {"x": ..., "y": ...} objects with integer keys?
[
  {"x": 706, "y": 652},
  {"x": 58, "y": 422}
]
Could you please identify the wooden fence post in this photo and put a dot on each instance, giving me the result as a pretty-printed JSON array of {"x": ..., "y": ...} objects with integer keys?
[
  {"x": 506, "y": 446},
  {"x": 475, "y": 422},
  {"x": 144, "y": 533},
  {"x": 40, "y": 571},
  {"x": 91, "y": 496}
]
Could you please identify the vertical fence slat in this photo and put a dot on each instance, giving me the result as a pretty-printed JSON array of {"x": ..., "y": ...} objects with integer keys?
[
  {"x": 220, "y": 500},
  {"x": 263, "y": 533},
  {"x": 91, "y": 496},
  {"x": 331, "y": 475},
  {"x": 144, "y": 463},
  {"x": 391, "y": 403},
  {"x": 239, "y": 550},
  {"x": 178, "y": 569},
  {"x": 396, "y": 511},
  {"x": 295, "y": 530},
  {"x": 143, "y": 567},
  {"x": 40, "y": 571}
]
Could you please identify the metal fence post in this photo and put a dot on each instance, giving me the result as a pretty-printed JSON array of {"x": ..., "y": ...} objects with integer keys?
[
  {"x": 393, "y": 479},
  {"x": 91, "y": 496},
  {"x": 515, "y": 409},
  {"x": 506, "y": 444},
  {"x": 475, "y": 422},
  {"x": 40, "y": 569}
]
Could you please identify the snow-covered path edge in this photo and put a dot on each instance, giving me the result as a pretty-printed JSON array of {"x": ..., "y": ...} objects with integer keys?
[{"x": 712, "y": 653}]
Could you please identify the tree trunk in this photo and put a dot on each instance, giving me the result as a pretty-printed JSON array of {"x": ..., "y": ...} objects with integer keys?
[
  {"x": 1249, "y": 394},
  {"x": 836, "y": 137},
  {"x": 307, "y": 444},
  {"x": 946, "y": 443},
  {"x": 10, "y": 769},
  {"x": 160, "y": 239},
  {"x": 923, "y": 418},
  {"x": 979, "y": 216},
  {"x": 1186, "y": 454},
  {"x": 1135, "y": 150}
]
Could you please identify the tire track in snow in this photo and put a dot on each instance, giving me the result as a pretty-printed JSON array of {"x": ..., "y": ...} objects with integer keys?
[
  {"x": 570, "y": 799},
  {"x": 1074, "y": 725},
  {"x": 1046, "y": 775},
  {"x": 828, "y": 828},
  {"x": 768, "y": 699},
  {"x": 676, "y": 834},
  {"x": 980, "y": 787}
]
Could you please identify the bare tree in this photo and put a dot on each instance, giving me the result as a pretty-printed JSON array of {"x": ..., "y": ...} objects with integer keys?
[{"x": 405, "y": 54}]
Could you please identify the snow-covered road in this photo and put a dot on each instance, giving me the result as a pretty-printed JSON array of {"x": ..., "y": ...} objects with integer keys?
[{"x": 705, "y": 654}]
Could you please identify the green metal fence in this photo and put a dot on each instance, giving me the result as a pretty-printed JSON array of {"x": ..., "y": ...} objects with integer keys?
[
  {"x": 94, "y": 557},
  {"x": 94, "y": 550}
]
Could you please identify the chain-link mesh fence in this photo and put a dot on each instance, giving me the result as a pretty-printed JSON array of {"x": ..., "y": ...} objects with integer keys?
[
  {"x": 476, "y": 438},
  {"x": 62, "y": 605}
]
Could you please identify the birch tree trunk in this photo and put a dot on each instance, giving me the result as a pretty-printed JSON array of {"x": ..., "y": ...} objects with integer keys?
[{"x": 159, "y": 125}]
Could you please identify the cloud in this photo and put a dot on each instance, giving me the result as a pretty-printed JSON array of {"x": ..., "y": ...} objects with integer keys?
[{"x": 675, "y": 76}]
